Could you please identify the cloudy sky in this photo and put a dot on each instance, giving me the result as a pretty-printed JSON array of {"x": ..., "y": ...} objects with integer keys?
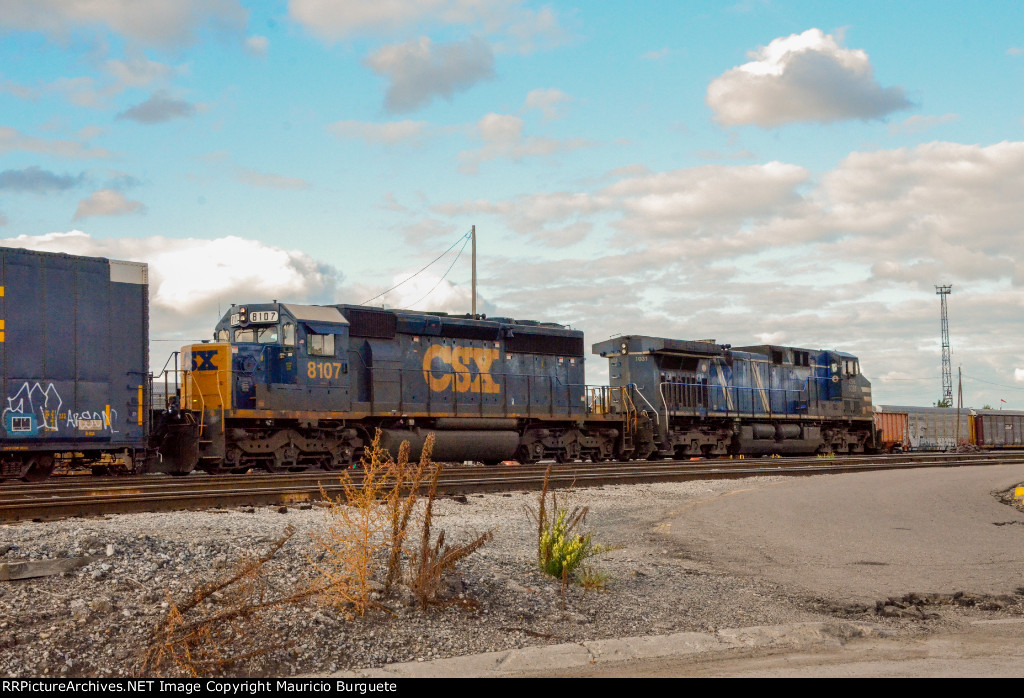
[{"x": 764, "y": 171}]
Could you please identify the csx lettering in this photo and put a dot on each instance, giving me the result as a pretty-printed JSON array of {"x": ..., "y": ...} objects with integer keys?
[
  {"x": 454, "y": 365},
  {"x": 203, "y": 360}
]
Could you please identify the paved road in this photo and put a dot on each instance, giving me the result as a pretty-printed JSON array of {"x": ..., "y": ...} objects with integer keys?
[
  {"x": 866, "y": 536},
  {"x": 854, "y": 537}
]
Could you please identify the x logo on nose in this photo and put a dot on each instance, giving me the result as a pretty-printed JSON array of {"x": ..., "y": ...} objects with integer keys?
[{"x": 203, "y": 360}]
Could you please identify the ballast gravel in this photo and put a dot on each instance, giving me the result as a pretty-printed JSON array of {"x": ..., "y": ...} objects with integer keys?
[{"x": 97, "y": 620}]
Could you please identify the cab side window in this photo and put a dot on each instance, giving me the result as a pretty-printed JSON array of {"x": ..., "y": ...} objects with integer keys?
[{"x": 320, "y": 344}]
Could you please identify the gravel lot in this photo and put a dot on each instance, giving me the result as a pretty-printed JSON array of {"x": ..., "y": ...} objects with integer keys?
[{"x": 97, "y": 620}]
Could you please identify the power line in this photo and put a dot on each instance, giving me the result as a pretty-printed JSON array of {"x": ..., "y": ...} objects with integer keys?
[
  {"x": 461, "y": 249},
  {"x": 464, "y": 237},
  {"x": 998, "y": 385}
]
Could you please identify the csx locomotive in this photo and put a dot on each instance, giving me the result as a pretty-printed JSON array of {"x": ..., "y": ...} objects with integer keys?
[{"x": 287, "y": 386}]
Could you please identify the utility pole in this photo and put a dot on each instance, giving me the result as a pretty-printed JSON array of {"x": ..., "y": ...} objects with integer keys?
[
  {"x": 959, "y": 399},
  {"x": 473, "y": 232},
  {"x": 947, "y": 372}
]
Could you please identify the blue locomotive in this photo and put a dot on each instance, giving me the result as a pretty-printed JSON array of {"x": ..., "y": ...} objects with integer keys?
[
  {"x": 288, "y": 387},
  {"x": 710, "y": 399}
]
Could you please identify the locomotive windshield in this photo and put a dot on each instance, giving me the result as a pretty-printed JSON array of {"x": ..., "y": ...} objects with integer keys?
[{"x": 261, "y": 335}]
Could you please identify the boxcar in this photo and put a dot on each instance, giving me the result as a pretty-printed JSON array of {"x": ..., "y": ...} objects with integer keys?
[
  {"x": 934, "y": 428},
  {"x": 74, "y": 360},
  {"x": 893, "y": 430},
  {"x": 998, "y": 429}
]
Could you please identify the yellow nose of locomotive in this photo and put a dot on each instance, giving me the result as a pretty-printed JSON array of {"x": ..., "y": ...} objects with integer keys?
[{"x": 206, "y": 383}]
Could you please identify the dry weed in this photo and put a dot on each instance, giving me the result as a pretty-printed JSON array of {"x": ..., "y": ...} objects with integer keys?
[
  {"x": 221, "y": 623},
  {"x": 355, "y": 522},
  {"x": 428, "y": 566},
  {"x": 365, "y": 546}
]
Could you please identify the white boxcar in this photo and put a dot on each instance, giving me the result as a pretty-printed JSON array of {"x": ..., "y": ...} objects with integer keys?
[{"x": 934, "y": 428}]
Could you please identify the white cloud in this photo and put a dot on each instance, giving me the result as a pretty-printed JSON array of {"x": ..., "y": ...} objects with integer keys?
[
  {"x": 257, "y": 45},
  {"x": 160, "y": 107},
  {"x": 138, "y": 72},
  {"x": 117, "y": 76},
  {"x": 768, "y": 252},
  {"x": 107, "y": 202},
  {"x": 38, "y": 181},
  {"x": 710, "y": 206},
  {"x": 161, "y": 23},
  {"x": 192, "y": 280},
  {"x": 548, "y": 102},
  {"x": 269, "y": 180},
  {"x": 657, "y": 55},
  {"x": 12, "y": 140},
  {"x": 920, "y": 123},
  {"x": 520, "y": 29},
  {"x": 802, "y": 77},
  {"x": 388, "y": 133},
  {"x": 430, "y": 292},
  {"x": 420, "y": 70},
  {"x": 503, "y": 138}
]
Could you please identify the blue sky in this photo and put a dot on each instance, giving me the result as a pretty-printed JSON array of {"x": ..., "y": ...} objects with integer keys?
[{"x": 793, "y": 172}]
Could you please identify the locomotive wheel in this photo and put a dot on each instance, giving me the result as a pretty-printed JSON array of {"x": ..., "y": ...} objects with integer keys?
[
  {"x": 37, "y": 468},
  {"x": 525, "y": 456}
]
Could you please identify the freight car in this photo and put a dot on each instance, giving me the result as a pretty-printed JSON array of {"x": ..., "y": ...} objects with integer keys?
[
  {"x": 74, "y": 361},
  {"x": 997, "y": 429},
  {"x": 929, "y": 428},
  {"x": 893, "y": 430},
  {"x": 288, "y": 387}
]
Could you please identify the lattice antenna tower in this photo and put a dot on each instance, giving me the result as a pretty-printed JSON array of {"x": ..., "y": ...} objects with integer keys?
[{"x": 947, "y": 371}]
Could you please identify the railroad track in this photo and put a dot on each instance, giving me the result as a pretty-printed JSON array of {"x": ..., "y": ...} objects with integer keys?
[{"x": 63, "y": 497}]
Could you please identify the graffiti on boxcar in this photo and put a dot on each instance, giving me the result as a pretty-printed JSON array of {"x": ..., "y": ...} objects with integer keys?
[
  {"x": 92, "y": 421},
  {"x": 32, "y": 409}
]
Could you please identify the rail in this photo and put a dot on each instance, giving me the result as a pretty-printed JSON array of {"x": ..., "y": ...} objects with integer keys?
[{"x": 78, "y": 496}]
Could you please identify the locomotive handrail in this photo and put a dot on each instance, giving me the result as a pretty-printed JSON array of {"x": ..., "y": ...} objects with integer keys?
[
  {"x": 202, "y": 402},
  {"x": 173, "y": 355},
  {"x": 733, "y": 393},
  {"x": 644, "y": 398},
  {"x": 221, "y": 395}
]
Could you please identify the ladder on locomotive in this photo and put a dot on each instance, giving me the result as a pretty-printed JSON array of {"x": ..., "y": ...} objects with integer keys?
[{"x": 631, "y": 418}]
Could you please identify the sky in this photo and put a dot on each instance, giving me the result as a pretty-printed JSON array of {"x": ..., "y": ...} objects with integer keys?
[{"x": 797, "y": 173}]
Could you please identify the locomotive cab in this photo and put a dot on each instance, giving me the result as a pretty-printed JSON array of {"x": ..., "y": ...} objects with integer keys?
[{"x": 287, "y": 357}]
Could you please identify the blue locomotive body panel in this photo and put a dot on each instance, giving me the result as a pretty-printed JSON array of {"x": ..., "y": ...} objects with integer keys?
[{"x": 359, "y": 361}]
